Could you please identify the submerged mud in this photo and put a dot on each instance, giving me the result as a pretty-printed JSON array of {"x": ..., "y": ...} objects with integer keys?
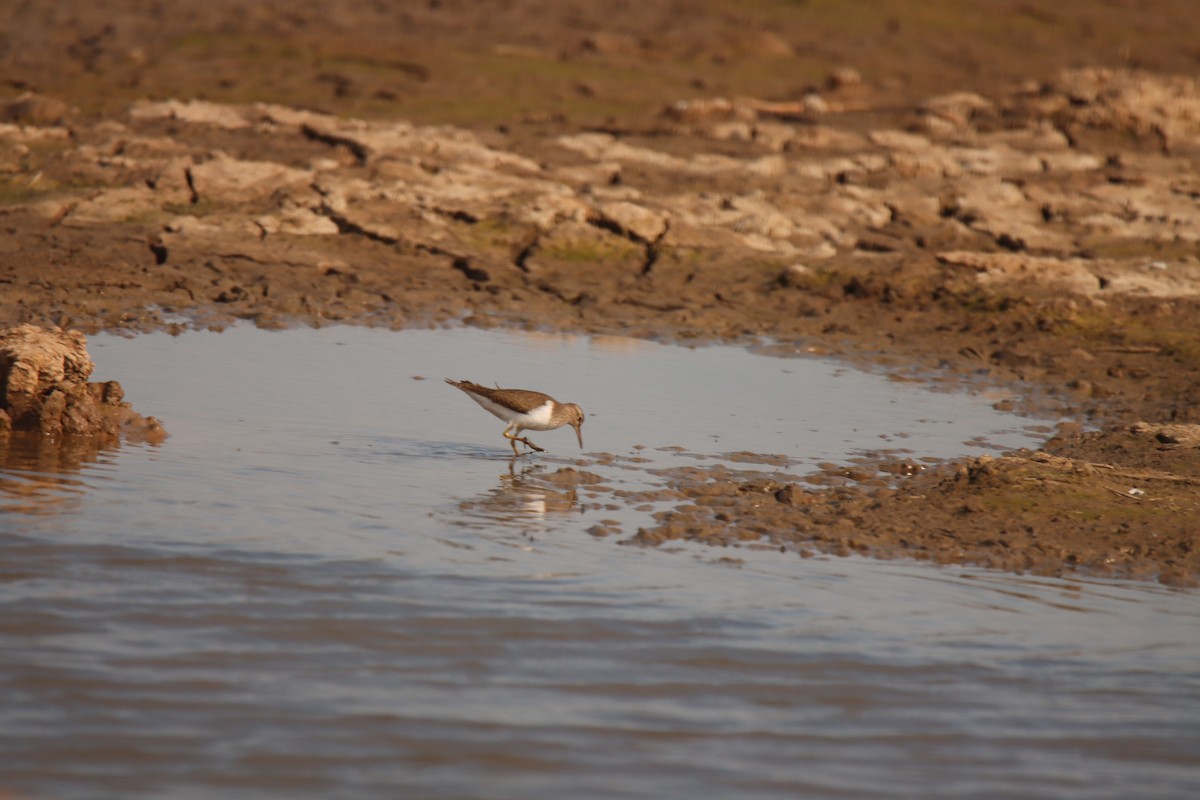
[
  {"x": 1040, "y": 230},
  {"x": 1026, "y": 512}
]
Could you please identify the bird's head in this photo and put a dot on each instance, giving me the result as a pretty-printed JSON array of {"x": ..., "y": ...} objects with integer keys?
[{"x": 575, "y": 420}]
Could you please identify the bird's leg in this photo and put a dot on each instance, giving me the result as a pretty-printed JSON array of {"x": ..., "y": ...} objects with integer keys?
[{"x": 513, "y": 439}]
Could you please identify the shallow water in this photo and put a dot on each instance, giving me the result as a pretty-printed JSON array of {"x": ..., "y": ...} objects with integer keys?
[{"x": 333, "y": 581}]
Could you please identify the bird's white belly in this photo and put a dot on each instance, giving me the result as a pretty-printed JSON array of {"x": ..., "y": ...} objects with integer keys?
[{"x": 537, "y": 419}]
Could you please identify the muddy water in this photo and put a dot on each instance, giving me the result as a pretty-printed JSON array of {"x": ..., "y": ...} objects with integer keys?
[{"x": 331, "y": 581}]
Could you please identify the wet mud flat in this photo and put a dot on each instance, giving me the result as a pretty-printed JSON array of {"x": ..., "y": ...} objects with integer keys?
[
  {"x": 1027, "y": 512},
  {"x": 994, "y": 225}
]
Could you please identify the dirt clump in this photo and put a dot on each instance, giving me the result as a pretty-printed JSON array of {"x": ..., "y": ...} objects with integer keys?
[{"x": 46, "y": 393}]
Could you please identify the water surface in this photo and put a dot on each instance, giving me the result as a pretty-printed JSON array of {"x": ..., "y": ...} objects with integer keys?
[{"x": 332, "y": 580}]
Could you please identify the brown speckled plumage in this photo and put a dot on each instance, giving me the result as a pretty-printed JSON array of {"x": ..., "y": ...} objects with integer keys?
[{"x": 523, "y": 409}]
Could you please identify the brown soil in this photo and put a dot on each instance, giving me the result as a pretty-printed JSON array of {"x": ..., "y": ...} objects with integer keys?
[{"x": 998, "y": 191}]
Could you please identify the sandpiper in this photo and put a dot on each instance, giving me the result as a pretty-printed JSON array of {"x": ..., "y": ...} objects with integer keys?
[{"x": 524, "y": 410}]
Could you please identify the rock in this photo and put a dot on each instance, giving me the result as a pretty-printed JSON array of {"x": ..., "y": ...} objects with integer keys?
[
  {"x": 29, "y": 134},
  {"x": 773, "y": 135},
  {"x": 824, "y": 137},
  {"x": 1138, "y": 102},
  {"x": 1070, "y": 161},
  {"x": 375, "y": 141},
  {"x": 44, "y": 374},
  {"x": 589, "y": 175},
  {"x": 210, "y": 229},
  {"x": 231, "y": 180},
  {"x": 110, "y": 206},
  {"x": 606, "y": 147},
  {"x": 1080, "y": 276},
  {"x": 703, "y": 109},
  {"x": 1002, "y": 210},
  {"x": 994, "y": 269},
  {"x": 1170, "y": 435},
  {"x": 1179, "y": 279},
  {"x": 35, "y": 109},
  {"x": 1040, "y": 136},
  {"x": 957, "y": 108},
  {"x": 199, "y": 112},
  {"x": 814, "y": 103},
  {"x": 296, "y": 220},
  {"x": 767, "y": 167},
  {"x": 1150, "y": 211},
  {"x": 790, "y": 495},
  {"x": 843, "y": 77},
  {"x": 572, "y": 251},
  {"x": 635, "y": 221},
  {"x": 729, "y": 131},
  {"x": 36, "y": 364},
  {"x": 899, "y": 140}
]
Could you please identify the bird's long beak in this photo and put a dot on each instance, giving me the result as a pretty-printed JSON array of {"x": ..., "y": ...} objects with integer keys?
[{"x": 579, "y": 435}]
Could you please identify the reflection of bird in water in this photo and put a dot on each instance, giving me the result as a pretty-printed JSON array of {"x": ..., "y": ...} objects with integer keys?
[
  {"x": 524, "y": 410},
  {"x": 521, "y": 495},
  {"x": 534, "y": 496}
]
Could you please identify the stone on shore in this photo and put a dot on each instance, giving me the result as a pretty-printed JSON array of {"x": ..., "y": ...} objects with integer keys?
[{"x": 44, "y": 375}]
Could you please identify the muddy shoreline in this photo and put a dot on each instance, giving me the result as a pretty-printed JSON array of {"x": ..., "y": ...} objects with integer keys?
[{"x": 1031, "y": 221}]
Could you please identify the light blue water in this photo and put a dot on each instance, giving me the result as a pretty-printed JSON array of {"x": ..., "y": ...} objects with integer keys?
[{"x": 331, "y": 581}]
